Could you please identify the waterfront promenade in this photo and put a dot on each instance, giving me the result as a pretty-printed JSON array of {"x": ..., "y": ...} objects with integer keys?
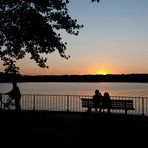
[{"x": 72, "y": 129}]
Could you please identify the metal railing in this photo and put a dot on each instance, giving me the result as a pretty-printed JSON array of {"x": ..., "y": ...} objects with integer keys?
[{"x": 73, "y": 103}]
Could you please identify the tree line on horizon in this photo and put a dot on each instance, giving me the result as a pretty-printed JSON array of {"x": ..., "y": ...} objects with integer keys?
[{"x": 6, "y": 77}]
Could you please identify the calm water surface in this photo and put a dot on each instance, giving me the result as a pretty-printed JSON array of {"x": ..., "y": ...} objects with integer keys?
[{"x": 68, "y": 88}]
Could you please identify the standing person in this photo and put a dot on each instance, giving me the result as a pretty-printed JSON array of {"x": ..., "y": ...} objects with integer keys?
[
  {"x": 98, "y": 101},
  {"x": 16, "y": 95},
  {"x": 107, "y": 101}
]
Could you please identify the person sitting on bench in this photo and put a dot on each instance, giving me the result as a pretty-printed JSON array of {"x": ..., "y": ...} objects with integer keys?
[
  {"x": 107, "y": 101},
  {"x": 98, "y": 101}
]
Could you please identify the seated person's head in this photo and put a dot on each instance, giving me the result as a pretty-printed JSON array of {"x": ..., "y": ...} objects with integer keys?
[
  {"x": 106, "y": 94},
  {"x": 96, "y": 91}
]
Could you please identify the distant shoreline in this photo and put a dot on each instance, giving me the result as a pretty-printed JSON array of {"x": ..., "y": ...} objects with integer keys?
[{"x": 142, "y": 78}]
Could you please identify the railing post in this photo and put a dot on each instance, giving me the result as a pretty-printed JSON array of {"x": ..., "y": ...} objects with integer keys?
[
  {"x": 68, "y": 103},
  {"x": 142, "y": 106},
  {"x": 34, "y": 102}
]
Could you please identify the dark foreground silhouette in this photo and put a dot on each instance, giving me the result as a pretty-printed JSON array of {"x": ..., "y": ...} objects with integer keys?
[{"x": 62, "y": 129}]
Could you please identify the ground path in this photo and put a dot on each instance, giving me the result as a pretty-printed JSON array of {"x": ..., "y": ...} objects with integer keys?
[{"x": 68, "y": 129}]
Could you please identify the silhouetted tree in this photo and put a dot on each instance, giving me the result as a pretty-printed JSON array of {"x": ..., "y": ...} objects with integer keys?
[
  {"x": 95, "y": 1},
  {"x": 33, "y": 26}
]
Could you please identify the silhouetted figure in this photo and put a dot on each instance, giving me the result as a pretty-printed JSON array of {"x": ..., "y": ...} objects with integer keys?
[
  {"x": 98, "y": 101},
  {"x": 107, "y": 101},
  {"x": 16, "y": 95}
]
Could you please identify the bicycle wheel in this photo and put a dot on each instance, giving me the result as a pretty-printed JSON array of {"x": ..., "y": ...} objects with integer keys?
[{"x": 9, "y": 105}]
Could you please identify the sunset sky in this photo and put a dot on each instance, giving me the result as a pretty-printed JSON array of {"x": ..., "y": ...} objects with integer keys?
[{"x": 114, "y": 40}]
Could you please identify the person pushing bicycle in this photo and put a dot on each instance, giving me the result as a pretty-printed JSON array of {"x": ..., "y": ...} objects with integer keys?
[{"x": 16, "y": 95}]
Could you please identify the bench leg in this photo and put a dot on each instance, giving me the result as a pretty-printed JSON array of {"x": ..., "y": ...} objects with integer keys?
[
  {"x": 108, "y": 110},
  {"x": 88, "y": 110},
  {"x": 125, "y": 111}
]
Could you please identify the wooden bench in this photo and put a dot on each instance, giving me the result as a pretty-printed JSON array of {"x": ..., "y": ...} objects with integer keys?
[{"x": 115, "y": 104}]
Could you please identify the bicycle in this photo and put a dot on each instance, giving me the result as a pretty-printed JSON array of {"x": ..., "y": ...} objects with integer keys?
[{"x": 6, "y": 103}]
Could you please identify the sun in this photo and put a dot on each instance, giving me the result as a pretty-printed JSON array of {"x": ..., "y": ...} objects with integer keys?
[{"x": 101, "y": 73}]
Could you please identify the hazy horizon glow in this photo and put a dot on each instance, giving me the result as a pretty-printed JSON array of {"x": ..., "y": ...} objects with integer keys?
[{"x": 114, "y": 40}]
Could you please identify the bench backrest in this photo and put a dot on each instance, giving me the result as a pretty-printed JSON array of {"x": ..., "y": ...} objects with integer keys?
[
  {"x": 122, "y": 104},
  {"x": 115, "y": 104},
  {"x": 87, "y": 102}
]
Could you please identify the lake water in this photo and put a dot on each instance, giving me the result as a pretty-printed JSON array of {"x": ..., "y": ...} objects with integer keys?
[{"x": 68, "y": 88}]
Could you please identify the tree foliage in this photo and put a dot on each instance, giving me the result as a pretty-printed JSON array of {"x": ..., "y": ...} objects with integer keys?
[
  {"x": 33, "y": 26},
  {"x": 95, "y": 1}
]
